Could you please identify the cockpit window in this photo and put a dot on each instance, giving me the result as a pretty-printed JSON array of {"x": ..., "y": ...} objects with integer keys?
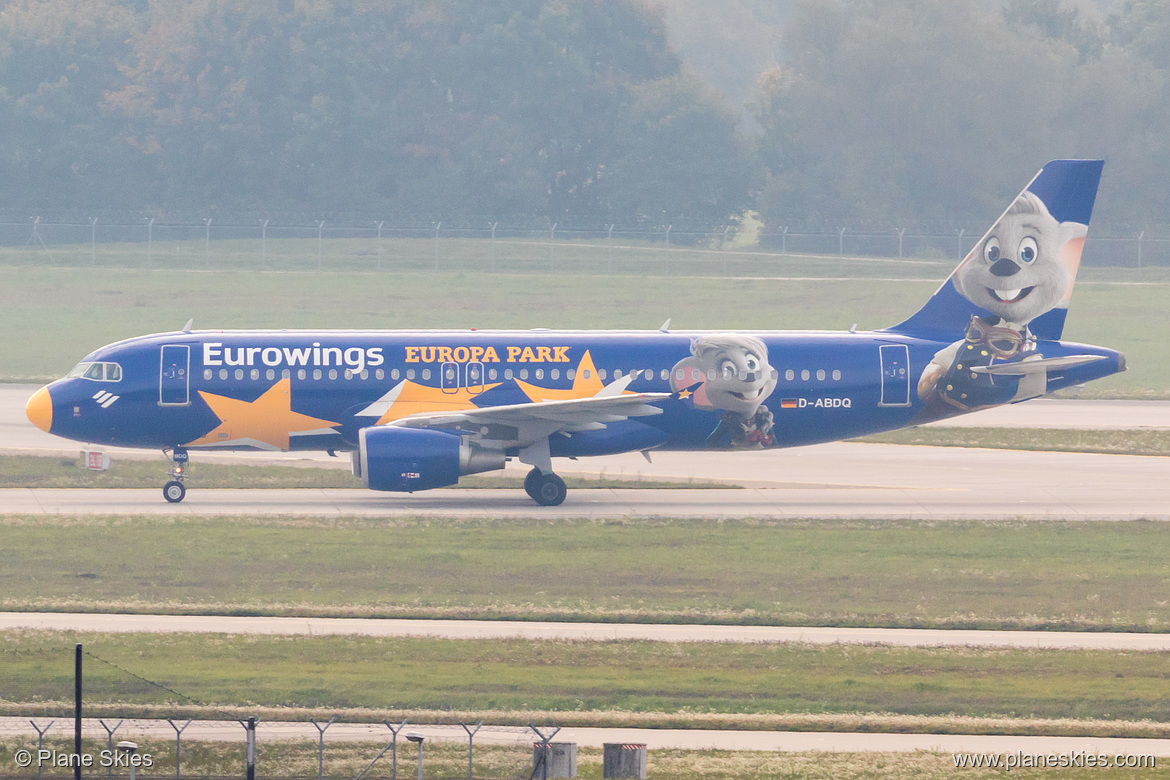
[{"x": 99, "y": 372}]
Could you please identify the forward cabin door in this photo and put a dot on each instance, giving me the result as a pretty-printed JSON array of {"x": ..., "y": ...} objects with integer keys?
[
  {"x": 174, "y": 378},
  {"x": 895, "y": 375}
]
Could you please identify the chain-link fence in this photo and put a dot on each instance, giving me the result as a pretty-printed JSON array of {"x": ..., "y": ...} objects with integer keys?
[{"x": 724, "y": 250}]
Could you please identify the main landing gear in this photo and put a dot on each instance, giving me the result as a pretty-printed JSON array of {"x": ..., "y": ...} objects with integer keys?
[
  {"x": 175, "y": 491},
  {"x": 545, "y": 489}
]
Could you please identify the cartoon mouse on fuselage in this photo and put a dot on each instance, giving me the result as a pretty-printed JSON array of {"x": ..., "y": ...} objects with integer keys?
[{"x": 733, "y": 376}]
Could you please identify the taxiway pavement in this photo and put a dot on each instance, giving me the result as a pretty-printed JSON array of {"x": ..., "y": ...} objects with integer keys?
[{"x": 599, "y": 632}]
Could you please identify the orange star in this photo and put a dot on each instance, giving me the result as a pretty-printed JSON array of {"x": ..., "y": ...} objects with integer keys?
[
  {"x": 413, "y": 398},
  {"x": 266, "y": 422},
  {"x": 586, "y": 384},
  {"x": 684, "y": 394}
]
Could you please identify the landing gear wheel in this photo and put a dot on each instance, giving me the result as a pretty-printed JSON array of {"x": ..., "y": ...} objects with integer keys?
[
  {"x": 546, "y": 489},
  {"x": 174, "y": 491},
  {"x": 530, "y": 480}
]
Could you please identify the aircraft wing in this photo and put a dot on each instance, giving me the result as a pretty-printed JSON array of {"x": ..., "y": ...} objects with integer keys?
[
  {"x": 1025, "y": 367},
  {"x": 521, "y": 423}
]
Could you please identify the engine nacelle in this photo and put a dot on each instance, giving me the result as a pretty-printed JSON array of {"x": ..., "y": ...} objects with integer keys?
[{"x": 410, "y": 459}]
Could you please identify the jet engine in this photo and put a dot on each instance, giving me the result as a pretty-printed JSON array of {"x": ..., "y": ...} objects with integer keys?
[{"x": 410, "y": 459}]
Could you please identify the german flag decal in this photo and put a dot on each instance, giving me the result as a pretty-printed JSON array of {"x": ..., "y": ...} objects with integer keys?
[{"x": 788, "y": 403}]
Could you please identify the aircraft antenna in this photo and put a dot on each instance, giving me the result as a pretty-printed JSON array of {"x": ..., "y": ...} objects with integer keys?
[{"x": 187, "y": 327}]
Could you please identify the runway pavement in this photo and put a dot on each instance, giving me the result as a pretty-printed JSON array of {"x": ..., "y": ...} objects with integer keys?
[
  {"x": 515, "y": 629},
  {"x": 829, "y": 480},
  {"x": 654, "y": 739}
]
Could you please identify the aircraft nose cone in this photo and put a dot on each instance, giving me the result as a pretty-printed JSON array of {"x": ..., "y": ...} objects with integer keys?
[{"x": 40, "y": 409}]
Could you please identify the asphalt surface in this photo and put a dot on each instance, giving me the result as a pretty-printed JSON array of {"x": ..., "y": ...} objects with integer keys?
[
  {"x": 514, "y": 629},
  {"x": 829, "y": 480},
  {"x": 654, "y": 739}
]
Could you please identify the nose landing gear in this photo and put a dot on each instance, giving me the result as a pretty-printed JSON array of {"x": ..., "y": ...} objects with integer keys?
[{"x": 175, "y": 491}]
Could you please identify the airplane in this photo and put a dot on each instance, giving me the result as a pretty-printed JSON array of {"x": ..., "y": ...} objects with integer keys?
[{"x": 418, "y": 409}]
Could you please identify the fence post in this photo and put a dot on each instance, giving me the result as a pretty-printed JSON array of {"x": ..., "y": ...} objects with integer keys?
[
  {"x": 470, "y": 744},
  {"x": 901, "y": 233},
  {"x": 784, "y": 240},
  {"x": 609, "y": 250},
  {"x": 552, "y": 237},
  {"x": 207, "y": 242},
  {"x": 544, "y": 749},
  {"x": 150, "y": 242},
  {"x": 110, "y": 742},
  {"x": 668, "y": 227},
  {"x": 1141, "y": 235},
  {"x": 250, "y": 740},
  {"x": 321, "y": 745},
  {"x": 263, "y": 245},
  {"x": 841, "y": 242},
  {"x": 40, "y": 741},
  {"x": 320, "y": 230},
  {"x": 394, "y": 745},
  {"x": 93, "y": 241},
  {"x": 723, "y": 247},
  {"x": 178, "y": 743},
  {"x": 494, "y": 246},
  {"x": 380, "y": 224}
]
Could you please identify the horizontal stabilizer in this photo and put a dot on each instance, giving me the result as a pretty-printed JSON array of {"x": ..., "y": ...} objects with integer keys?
[{"x": 1026, "y": 367}]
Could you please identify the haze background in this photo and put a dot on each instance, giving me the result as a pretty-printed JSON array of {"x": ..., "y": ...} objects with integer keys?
[{"x": 811, "y": 112}]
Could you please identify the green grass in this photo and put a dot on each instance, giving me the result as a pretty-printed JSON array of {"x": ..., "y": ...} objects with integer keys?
[
  {"x": 51, "y": 317},
  {"x": 969, "y": 574},
  {"x": 594, "y": 680},
  {"x": 344, "y": 759},
  {"x": 1118, "y": 442},
  {"x": 20, "y": 471}
]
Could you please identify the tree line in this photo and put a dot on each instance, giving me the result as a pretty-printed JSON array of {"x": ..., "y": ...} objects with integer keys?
[{"x": 571, "y": 111}]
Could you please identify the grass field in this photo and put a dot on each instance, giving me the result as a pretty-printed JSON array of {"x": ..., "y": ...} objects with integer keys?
[
  {"x": 1067, "y": 575},
  {"x": 449, "y": 759},
  {"x": 51, "y": 317},
  {"x": 600, "y": 683}
]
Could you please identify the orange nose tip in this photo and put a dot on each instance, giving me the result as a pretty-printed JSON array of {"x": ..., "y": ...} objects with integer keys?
[{"x": 40, "y": 409}]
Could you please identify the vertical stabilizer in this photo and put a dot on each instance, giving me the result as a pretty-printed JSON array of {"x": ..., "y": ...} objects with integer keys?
[{"x": 1021, "y": 273}]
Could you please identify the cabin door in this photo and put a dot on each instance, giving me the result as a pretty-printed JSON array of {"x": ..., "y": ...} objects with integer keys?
[
  {"x": 174, "y": 375},
  {"x": 895, "y": 375}
]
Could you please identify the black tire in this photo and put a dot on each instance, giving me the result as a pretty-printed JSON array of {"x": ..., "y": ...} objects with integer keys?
[
  {"x": 530, "y": 480},
  {"x": 174, "y": 491},
  {"x": 550, "y": 490}
]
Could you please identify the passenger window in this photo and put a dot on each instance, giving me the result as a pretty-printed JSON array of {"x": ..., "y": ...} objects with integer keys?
[
  {"x": 555, "y": 373},
  {"x": 316, "y": 373},
  {"x": 570, "y": 374},
  {"x": 586, "y": 374},
  {"x": 393, "y": 373},
  {"x": 300, "y": 373},
  {"x": 270, "y": 374},
  {"x": 410, "y": 373},
  {"x": 601, "y": 374},
  {"x": 285, "y": 374},
  {"x": 426, "y": 373},
  {"x": 255, "y": 373},
  {"x": 804, "y": 375},
  {"x": 836, "y": 376},
  {"x": 207, "y": 373},
  {"x": 507, "y": 373},
  {"x": 223, "y": 373},
  {"x": 820, "y": 375},
  {"x": 380, "y": 374},
  {"x": 790, "y": 375},
  {"x": 540, "y": 373},
  {"x": 524, "y": 373}
]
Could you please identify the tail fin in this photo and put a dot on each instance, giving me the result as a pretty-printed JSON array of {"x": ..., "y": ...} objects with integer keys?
[{"x": 1023, "y": 269}]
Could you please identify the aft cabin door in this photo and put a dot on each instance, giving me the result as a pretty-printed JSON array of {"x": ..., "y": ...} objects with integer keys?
[
  {"x": 174, "y": 375},
  {"x": 895, "y": 375}
]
